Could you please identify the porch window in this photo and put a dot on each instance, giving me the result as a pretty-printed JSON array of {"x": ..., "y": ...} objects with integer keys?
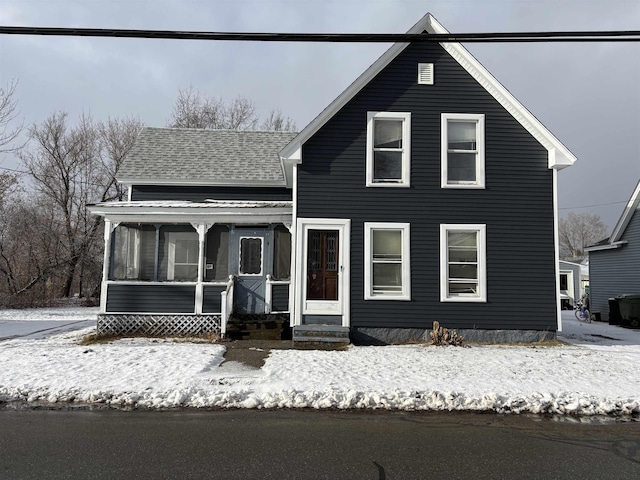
[
  {"x": 388, "y": 149},
  {"x": 387, "y": 267},
  {"x": 462, "y": 149},
  {"x": 463, "y": 263}
]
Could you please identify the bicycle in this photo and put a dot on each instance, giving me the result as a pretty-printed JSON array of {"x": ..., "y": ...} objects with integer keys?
[{"x": 582, "y": 313}]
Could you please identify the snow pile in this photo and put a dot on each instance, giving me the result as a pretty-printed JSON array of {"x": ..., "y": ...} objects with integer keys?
[{"x": 149, "y": 373}]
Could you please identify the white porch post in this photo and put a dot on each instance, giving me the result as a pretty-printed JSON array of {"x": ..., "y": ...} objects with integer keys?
[
  {"x": 202, "y": 229},
  {"x": 109, "y": 227}
]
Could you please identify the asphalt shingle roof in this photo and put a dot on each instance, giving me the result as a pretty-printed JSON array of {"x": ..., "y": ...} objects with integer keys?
[{"x": 197, "y": 155}]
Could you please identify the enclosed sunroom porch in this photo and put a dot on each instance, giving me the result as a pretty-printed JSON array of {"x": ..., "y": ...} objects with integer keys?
[{"x": 183, "y": 268}]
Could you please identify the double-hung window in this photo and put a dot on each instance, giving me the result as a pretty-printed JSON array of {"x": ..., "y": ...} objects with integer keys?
[
  {"x": 388, "y": 149},
  {"x": 387, "y": 269},
  {"x": 462, "y": 147},
  {"x": 463, "y": 263}
]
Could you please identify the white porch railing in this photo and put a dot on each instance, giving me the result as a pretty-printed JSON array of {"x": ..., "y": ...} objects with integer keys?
[
  {"x": 226, "y": 303},
  {"x": 268, "y": 294}
]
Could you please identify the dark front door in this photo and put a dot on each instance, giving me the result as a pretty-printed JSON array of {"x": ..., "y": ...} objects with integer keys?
[{"x": 322, "y": 265}]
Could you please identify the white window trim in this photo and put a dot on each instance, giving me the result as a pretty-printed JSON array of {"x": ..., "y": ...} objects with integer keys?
[
  {"x": 406, "y": 147},
  {"x": 480, "y": 144},
  {"x": 481, "y": 230},
  {"x": 368, "y": 261}
]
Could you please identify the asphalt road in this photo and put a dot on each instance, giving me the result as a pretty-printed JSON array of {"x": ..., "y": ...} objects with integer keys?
[{"x": 311, "y": 445}]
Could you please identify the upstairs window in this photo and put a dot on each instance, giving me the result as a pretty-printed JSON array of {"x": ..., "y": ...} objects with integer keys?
[
  {"x": 388, "y": 149},
  {"x": 387, "y": 272},
  {"x": 462, "y": 150}
]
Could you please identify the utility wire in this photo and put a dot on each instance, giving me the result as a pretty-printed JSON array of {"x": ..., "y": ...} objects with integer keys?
[{"x": 577, "y": 36}]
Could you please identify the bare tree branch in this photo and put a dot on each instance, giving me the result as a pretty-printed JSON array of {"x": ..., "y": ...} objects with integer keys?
[
  {"x": 578, "y": 231},
  {"x": 8, "y": 115}
]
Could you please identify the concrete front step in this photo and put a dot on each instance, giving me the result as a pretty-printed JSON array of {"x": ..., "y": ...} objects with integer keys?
[
  {"x": 321, "y": 333},
  {"x": 263, "y": 327}
]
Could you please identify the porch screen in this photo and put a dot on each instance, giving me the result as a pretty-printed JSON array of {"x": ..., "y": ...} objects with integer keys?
[
  {"x": 133, "y": 252},
  {"x": 217, "y": 254},
  {"x": 282, "y": 253}
]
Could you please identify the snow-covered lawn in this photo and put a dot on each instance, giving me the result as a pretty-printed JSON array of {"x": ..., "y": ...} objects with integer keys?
[{"x": 596, "y": 375}]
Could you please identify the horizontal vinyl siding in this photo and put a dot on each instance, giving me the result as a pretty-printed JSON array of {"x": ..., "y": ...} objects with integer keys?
[
  {"x": 170, "y": 298},
  {"x": 615, "y": 272},
  {"x": 211, "y": 299},
  {"x": 280, "y": 298},
  {"x": 516, "y": 205},
  {"x": 201, "y": 193}
]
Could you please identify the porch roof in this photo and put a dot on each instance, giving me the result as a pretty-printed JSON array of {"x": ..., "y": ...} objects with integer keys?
[
  {"x": 178, "y": 156},
  {"x": 209, "y": 211}
]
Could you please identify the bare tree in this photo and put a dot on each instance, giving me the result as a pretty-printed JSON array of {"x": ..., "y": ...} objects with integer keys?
[
  {"x": 8, "y": 115},
  {"x": 275, "y": 121},
  {"x": 578, "y": 231},
  {"x": 71, "y": 166},
  {"x": 192, "y": 110}
]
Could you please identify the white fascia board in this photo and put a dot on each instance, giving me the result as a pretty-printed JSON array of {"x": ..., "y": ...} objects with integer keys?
[
  {"x": 217, "y": 218},
  {"x": 559, "y": 155},
  {"x": 608, "y": 246},
  {"x": 204, "y": 183},
  {"x": 627, "y": 213},
  {"x": 193, "y": 215}
]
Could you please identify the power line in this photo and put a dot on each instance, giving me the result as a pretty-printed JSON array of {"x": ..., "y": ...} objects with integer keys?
[
  {"x": 592, "y": 206},
  {"x": 576, "y": 36}
]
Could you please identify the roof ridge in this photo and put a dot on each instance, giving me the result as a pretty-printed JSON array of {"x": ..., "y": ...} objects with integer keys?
[{"x": 230, "y": 130}]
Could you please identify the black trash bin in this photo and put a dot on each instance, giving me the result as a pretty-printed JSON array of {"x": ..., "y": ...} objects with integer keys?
[
  {"x": 630, "y": 309},
  {"x": 614, "y": 312}
]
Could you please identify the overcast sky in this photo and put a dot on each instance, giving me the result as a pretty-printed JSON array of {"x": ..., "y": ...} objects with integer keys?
[{"x": 587, "y": 94}]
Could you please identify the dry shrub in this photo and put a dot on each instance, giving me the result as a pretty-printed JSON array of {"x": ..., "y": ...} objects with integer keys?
[{"x": 443, "y": 337}]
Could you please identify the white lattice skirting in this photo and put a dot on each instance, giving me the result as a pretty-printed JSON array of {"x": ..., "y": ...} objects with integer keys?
[{"x": 158, "y": 325}]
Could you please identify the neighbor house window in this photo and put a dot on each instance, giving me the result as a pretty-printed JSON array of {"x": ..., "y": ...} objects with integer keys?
[
  {"x": 462, "y": 148},
  {"x": 387, "y": 268},
  {"x": 463, "y": 263},
  {"x": 388, "y": 149}
]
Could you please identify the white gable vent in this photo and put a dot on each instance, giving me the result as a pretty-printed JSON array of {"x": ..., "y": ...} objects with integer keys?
[{"x": 425, "y": 73}]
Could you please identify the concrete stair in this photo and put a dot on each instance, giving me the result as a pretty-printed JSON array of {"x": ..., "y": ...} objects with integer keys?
[
  {"x": 321, "y": 333},
  {"x": 258, "y": 327}
]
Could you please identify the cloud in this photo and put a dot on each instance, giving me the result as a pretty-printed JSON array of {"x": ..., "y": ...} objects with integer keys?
[{"x": 586, "y": 94}]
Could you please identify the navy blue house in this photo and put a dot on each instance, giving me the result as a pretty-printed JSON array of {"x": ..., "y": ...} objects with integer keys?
[{"x": 413, "y": 197}]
